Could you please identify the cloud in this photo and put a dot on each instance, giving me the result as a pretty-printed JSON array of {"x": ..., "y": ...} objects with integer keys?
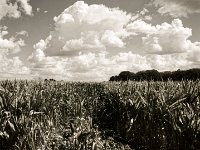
[
  {"x": 22, "y": 33},
  {"x": 177, "y": 8},
  {"x": 169, "y": 62},
  {"x": 82, "y": 34},
  {"x": 10, "y": 45},
  {"x": 14, "y": 9},
  {"x": 38, "y": 9},
  {"x": 26, "y": 8},
  {"x": 140, "y": 26},
  {"x": 88, "y": 27},
  {"x": 85, "y": 67},
  {"x": 144, "y": 14},
  {"x": 194, "y": 54},
  {"x": 110, "y": 39},
  {"x": 170, "y": 40},
  {"x": 164, "y": 38},
  {"x": 98, "y": 67},
  {"x": 42, "y": 44},
  {"x": 90, "y": 42},
  {"x": 11, "y": 66}
]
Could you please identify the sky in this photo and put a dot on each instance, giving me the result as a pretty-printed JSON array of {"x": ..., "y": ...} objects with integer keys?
[{"x": 93, "y": 40}]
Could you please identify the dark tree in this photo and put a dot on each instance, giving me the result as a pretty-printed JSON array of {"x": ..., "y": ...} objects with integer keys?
[
  {"x": 126, "y": 75},
  {"x": 154, "y": 75}
]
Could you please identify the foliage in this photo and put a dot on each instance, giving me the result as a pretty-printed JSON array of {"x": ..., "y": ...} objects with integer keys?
[
  {"x": 42, "y": 115},
  {"x": 154, "y": 75}
]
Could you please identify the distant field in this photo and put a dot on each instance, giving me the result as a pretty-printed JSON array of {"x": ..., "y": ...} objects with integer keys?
[{"x": 37, "y": 115}]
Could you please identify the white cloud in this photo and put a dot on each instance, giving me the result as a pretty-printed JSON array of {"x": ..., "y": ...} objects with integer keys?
[
  {"x": 140, "y": 26},
  {"x": 10, "y": 45},
  {"x": 165, "y": 38},
  {"x": 11, "y": 66},
  {"x": 98, "y": 67},
  {"x": 37, "y": 56},
  {"x": 168, "y": 62},
  {"x": 42, "y": 44},
  {"x": 194, "y": 54},
  {"x": 89, "y": 42},
  {"x": 83, "y": 26},
  {"x": 89, "y": 66},
  {"x": 22, "y": 33},
  {"x": 38, "y": 9},
  {"x": 110, "y": 39},
  {"x": 82, "y": 35},
  {"x": 144, "y": 12},
  {"x": 169, "y": 38},
  {"x": 177, "y": 8},
  {"x": 8, "y": 9},
  {"x": 26, "y": 7},
  {"x": 14, "y": 9},
  {"x": 148, "y": 18}
]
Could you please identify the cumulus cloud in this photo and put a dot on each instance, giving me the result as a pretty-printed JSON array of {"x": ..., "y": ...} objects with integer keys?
[
  {"x": 81, "y": 45},
  {"x": 25, "y": 6},
  {"x": 110, "y": 39},
  {"x": 38, "y": 9},
  {"x": 194, "y": 54},
  {"x": 144, "y": 14},
  {"x": 83, "y": 26},
  {"x": 88, "y": 41},
  {"x": 85, "y": 67},
  {"x": 12, "y": 66},
  {"x": 140, "y": 26},
  {"x": 98, "y": 67},
  {"x": 169, "y": 62},
  {"x": 14, "y": 9},
  {"x": 170, "y": 40},
  {"x": 10, "y": 45},
  {"x": 177, "y": 8},
  {"x": 83, "y": 33},
  {"x": 22, "y": 33},
  {"x": 165, "y": 38}
]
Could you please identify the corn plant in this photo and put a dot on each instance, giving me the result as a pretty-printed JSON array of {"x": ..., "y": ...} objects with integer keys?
[{"x": 57, "y": 115}]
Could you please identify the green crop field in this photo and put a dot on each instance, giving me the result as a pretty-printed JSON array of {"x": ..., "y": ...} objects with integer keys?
[{"x": 57, "y": 115}]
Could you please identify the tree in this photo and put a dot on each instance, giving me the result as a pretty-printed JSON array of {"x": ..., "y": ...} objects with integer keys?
[
  {"x": 148, "y": 75},
  {"x": 126, "y": 75}
]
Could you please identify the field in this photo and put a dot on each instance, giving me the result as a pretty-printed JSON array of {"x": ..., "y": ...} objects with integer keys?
[{"x": 57, "y": 115}]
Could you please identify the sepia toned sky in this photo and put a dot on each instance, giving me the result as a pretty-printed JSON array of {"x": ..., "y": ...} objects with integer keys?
[{"x": 93, "y": 40}]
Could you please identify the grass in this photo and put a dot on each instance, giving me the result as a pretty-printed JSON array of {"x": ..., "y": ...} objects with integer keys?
[{"x": 44, "y": 115}]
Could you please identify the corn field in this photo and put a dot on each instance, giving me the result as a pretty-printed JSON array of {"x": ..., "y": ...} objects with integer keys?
[{"x": 58, "y": 115}]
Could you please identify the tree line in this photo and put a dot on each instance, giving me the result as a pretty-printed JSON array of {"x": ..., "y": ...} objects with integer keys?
[{"x": 154, "y": 75}]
